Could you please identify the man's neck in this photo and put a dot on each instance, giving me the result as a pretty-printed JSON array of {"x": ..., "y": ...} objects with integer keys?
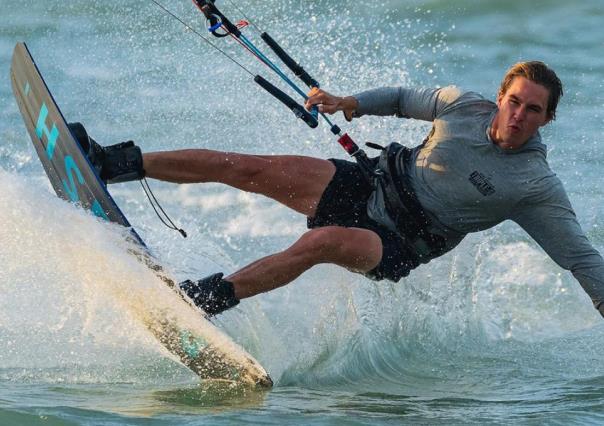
[{"x": 494, "y": 131}]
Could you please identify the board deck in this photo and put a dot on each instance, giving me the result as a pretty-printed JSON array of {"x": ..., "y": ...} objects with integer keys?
[{"x": 198, "y": 344}]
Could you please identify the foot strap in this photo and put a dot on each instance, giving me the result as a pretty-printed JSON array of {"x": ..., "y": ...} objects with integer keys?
[
  {"x": 117, "y": 163},
  {"x": 123, "y": 163},
  {"x": 212, "y": 294}
]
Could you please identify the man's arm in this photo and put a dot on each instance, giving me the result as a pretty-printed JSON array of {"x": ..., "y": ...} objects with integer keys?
[
  {"x": 550, "y": 220},
  {"x": 421, "y": 104}
]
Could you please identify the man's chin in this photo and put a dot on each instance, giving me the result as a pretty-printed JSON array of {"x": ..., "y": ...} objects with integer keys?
[{"x": 511, "y": 143}]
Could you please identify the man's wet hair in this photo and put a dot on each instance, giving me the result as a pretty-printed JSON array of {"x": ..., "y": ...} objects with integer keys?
[{"x": 540, "y": 73}]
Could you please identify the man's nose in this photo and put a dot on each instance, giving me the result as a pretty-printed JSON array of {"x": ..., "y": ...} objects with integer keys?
[{"x": 520, "y": 113}]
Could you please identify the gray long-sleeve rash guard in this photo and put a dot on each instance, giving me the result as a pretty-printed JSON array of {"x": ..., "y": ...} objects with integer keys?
[{"x": 466, "y": 183}]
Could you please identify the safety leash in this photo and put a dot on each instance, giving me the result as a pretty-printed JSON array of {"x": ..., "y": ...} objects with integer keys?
[{"x": 153, "y": 201}]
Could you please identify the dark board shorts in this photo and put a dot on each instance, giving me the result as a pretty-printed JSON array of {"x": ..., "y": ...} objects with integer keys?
[{"x": 344, "y": 203}]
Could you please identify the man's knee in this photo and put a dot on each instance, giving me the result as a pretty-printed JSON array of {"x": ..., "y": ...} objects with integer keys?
[
  {"x": 349, "y": 247},
  {"x": 321, "y": 240}
]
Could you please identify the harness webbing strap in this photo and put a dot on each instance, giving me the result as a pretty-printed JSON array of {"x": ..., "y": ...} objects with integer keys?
[{"x": 402, "y": 205}]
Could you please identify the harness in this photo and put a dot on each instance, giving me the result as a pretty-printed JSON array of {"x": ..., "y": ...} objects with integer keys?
[{"x": 393, "y": 193}]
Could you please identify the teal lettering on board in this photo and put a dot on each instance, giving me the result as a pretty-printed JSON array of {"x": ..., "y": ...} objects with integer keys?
[
  {"x": 98, "y": 210},
  {"x": 42, "y": 129},
  {"x": 70, "y": 168}
]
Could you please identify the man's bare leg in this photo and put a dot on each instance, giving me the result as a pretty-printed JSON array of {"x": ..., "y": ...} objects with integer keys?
[
  {"x": 359, "y": 250},
  {"x": 356, "y": 249},
  {"x": 295, "y": 181}
]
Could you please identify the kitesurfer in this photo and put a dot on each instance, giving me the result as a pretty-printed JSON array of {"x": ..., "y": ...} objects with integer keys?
[{"x": 482, "y": 163}]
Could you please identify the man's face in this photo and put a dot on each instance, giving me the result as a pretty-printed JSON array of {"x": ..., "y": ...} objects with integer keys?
[{"x": 522, "y": 110}]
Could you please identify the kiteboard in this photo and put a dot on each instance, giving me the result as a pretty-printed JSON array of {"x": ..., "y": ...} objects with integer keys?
[{"x": 196, "y": 343}]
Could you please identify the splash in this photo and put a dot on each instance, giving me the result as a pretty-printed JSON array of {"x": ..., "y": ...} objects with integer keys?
[{"x": 73, "y": 297}]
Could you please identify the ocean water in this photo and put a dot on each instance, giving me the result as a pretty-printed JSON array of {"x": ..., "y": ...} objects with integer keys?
[{"x": 492, "y": 333}]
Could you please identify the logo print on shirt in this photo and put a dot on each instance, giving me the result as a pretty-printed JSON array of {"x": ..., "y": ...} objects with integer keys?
[{"x": 481, "y": 183}]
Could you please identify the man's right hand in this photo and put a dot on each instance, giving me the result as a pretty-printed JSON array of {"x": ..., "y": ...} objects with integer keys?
[{"x": 329, "y": 104}]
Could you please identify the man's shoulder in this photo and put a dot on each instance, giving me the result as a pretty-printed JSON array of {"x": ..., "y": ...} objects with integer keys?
[{"x": 456, "y": 97}]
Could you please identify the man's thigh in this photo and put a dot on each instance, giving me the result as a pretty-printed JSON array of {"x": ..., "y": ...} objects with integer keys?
[{"x": 298, "y": 182}]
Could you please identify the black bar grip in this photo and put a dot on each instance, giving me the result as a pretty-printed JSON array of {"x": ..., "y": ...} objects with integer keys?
[
  {"x": 289, "y": 62},
  {"x": 297, "y": 109}
]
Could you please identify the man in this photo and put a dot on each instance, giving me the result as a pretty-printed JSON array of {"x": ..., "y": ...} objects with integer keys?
[{"x": 481, "y": 164}]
